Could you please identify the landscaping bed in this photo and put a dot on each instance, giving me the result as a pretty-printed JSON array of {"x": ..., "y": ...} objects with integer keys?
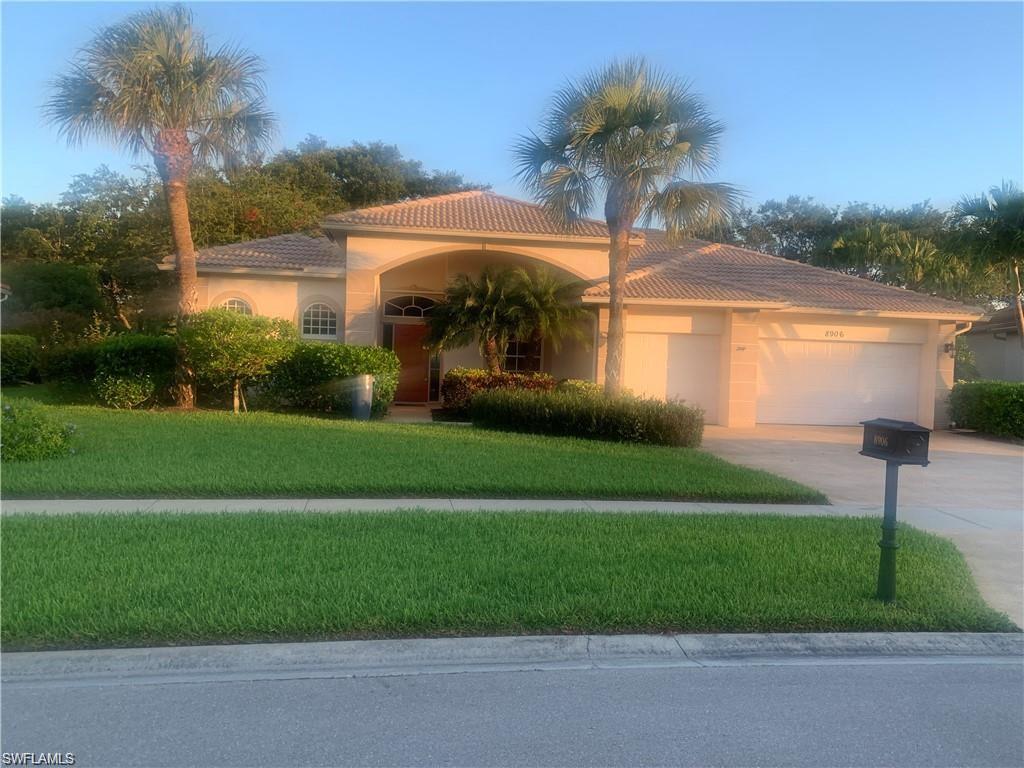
[
  {"x": 133, "y": 580},
  {"x": 147, "y": 454}
]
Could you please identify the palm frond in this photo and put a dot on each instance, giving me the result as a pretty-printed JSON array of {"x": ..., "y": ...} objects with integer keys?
[
  {"x": 686, "y": 207},
  {"x": 154, "y": 72}
]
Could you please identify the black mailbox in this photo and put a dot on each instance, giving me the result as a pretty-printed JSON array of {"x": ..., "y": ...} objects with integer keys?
[{"x": 901, "y": 442}]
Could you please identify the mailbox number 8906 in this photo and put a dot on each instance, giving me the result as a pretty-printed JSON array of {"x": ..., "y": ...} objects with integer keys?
[{"x": 834, "y": 334}]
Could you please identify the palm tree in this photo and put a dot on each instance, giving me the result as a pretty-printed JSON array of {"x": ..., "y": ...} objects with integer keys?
[
  {"x": 991, "y": 226},
  {"x": 503, "y": 304},
  {"x": 632, "y": 134},
  {"x": 152, "y": 85}
]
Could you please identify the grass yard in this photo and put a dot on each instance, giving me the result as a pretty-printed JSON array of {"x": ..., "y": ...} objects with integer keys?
[
  {"x": 129, "y": 580},
  {"x": 139, "y": 454}
]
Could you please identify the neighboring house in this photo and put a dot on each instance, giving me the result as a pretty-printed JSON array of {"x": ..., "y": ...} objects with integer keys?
[
  {"x": 750, "y": 338},
  {"x": 998, "y": 353}
]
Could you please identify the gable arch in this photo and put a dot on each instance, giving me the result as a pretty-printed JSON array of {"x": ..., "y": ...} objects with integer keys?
[{"x": 510, "y": 250}]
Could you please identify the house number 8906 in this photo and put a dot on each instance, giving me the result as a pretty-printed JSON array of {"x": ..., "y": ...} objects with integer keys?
[{"x": 834, "y": 334}]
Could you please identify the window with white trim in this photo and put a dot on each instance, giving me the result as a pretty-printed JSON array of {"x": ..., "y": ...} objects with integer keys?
[
  {"x": 319, "y": 321},
  {"x": 241, "y": 306}
]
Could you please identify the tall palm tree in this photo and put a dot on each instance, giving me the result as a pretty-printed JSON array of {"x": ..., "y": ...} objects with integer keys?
[
  {"x": 642, "y": 140},
  {"x": 991, "y": 226},
  {"x": 152, "y": 85},
  {"x": 503, "y": 304}
]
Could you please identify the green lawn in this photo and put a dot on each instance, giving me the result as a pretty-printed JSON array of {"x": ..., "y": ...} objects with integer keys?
[
  {"x": 123, "y": 580},
  {"x": 132, "y": 454}
]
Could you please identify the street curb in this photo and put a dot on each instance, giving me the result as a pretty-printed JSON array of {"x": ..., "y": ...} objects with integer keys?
[{"x": 374, "y": 658}]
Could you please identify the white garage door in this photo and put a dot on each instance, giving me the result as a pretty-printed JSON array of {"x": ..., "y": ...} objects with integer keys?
[
  {"x": 821, "y": 382},
  {"x": 675, "y": 365}
]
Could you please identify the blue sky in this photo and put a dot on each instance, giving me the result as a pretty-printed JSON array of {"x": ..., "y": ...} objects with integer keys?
[{"x": 888, "y": 103}]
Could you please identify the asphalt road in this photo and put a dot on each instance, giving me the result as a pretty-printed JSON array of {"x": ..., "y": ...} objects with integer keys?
[{"x": 908, "y": 712}]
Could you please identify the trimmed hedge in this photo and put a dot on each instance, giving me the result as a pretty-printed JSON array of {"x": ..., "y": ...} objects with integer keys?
[
  {"x": 134, "y": 356},
  {"x": 995, "y": 407},
  {"x": 73, "y": 363},
  {"x": 19, "y": 357},
  {"x": 623, "y": 419},
  {"x": 29, "y": 433},
  {"x": 311, "y": 377},
  {"x": 462, "y": 385}
]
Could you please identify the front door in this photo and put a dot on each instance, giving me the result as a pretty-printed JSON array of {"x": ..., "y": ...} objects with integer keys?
[{"x": 414, "y": 378}]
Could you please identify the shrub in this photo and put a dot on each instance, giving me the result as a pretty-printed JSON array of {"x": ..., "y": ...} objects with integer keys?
[
  {"x": 624, "y": 418},
  {"x": 462, "y": 385},
  {"x": 19, "y": 357},
  {"x": 136, "y": 357},
  {"x": 125, "y": 392},
  {"x": 311, "y": 377},
  {"x": 28, "y": 433},
  {"x": 229, "y": 348},
  {"x": 995, "y": 407},
  {"x": 73, "y": 363},
  {"x": 578, "y": 387}
]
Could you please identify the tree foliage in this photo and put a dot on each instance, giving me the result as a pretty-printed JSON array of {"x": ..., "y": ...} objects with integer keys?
[{"x": 919, "y": 247}]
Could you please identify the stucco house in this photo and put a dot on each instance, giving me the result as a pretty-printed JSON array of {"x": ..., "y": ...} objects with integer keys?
[
  {"x": 996, "y": 344},
  {"x": 750, "y": 338}
]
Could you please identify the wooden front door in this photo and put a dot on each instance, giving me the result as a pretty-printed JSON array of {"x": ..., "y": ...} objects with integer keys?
[{"x": 414, "y": 378}]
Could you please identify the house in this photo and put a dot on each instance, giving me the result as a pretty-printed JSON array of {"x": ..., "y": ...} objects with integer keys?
[
  {"x": 750, "y": 338},
  {"x": 996, "y": 344}
]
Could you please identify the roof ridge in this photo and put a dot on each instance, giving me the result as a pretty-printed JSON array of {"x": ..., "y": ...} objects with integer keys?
[{"x": 414, "y": 201}]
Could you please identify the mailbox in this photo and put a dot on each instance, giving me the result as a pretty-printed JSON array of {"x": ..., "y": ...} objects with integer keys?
[{"x": 902, "y": 442}]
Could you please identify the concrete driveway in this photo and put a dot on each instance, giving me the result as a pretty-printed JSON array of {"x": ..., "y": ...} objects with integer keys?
[{"x": 972, "y": 492}]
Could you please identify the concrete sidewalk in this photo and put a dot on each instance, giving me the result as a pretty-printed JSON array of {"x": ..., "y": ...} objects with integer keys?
[{"x": 989, "y": 538}]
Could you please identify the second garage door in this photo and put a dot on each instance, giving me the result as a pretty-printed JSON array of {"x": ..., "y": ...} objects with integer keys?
[
  {"x": 675, "y": 365},
  {"x": 820, "y": 382}
]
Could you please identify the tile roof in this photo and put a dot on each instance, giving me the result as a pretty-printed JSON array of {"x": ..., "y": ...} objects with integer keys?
[
  {"x": 476, "y": 211},
  {"x": 1002, "y": 321},
  {"x": 699, "y": 270},
  {"x": 283, "y": 252}
]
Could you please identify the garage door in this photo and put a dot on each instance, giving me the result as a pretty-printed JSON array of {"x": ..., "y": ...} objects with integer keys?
[
  {"x": 675, "y": 365},
  {"x": 820, "y": 382}
]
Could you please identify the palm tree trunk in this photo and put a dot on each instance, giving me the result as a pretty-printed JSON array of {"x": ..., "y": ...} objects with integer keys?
[
  {"x": 173, "y": 155},
  {"x": 491, "y": 356},
  {"x": 1017, "y": 302},
  {"x": 618, "y": 261}
]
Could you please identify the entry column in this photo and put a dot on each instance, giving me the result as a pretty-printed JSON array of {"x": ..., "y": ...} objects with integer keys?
[{"x": 738, "y": 374}]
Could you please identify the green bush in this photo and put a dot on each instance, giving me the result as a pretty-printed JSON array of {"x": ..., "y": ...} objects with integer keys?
[
  {"x": 227, "y": 348},
  {"x": 578, "y": 387},
  {"x": 311, "y": 378},
  {"x": 462, "y": 385},
  {"x": 623, "y": 419},
  {"x": 19, "y": 357},
  {"x": 134, "y": 356},
  {"x": 72, "y": 363},
  {"x": 995, "y": 407},
  {"x": 28, "y": 433},
  {"x": 125, "y": 392}
]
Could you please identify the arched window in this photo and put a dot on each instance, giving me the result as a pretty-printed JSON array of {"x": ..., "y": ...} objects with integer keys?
[
  {"x": 241, "y": 306},
  {"x": 408, "y": 306},
  {"x": 319, "y": 320}
]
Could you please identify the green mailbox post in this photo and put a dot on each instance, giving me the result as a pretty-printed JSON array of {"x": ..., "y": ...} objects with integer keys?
[{"x": 895, "y": 442}]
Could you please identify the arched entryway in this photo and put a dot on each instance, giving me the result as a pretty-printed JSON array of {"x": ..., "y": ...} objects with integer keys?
[{"x": 409, "y": 291}]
